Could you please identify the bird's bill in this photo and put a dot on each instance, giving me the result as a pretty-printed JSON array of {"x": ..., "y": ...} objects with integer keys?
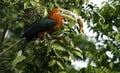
[{"x": 69, "y": 14}]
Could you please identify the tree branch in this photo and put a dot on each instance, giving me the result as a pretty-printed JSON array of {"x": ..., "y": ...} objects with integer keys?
[
  {"x": 4, "y": 58},
  {"x": 7, "y": 49}
]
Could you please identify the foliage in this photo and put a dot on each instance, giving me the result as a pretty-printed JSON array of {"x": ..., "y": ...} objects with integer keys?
[
  {"x": 105, "y": 23},
  {"x": 53, "y": 53}
]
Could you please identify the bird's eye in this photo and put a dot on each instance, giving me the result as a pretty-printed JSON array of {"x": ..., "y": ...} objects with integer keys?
[{"x": 60, "y": 12}]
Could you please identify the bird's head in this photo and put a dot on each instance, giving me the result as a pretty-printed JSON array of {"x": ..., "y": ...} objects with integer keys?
[{"x": 59, "y": 13}]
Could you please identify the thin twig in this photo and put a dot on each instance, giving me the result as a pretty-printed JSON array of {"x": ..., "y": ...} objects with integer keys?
[
  {"x": 4, "y": 58},
  {"x": 7, "y": 49}
]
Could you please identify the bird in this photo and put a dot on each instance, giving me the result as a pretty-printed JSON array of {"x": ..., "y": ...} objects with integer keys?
[{"x": 50, "y": 24}]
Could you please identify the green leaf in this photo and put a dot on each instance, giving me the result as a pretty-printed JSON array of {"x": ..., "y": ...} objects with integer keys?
[
  {"x": 77, "y": 1},
  {"x": 111, "y": 65},
  {"x": 48, "y": 51},
  {"x": 105, "y": 26},
  {"x": 51, "y": 62},
  {"x": 37, "y": 0},
  {"x": 51, "y": 5},
  {"x": 103, "y": 58},
  {"x": 57, "y": 5},
  {"x": 32, "y": 3},
  {"x": 21, "y": 66},
  {"x": 95, "y": 18},
  {"x": 57, "y": 52},
  {"x": 71, "y": 23},
  {"x": 62, "y": 72},
  {"x": 66, "y": 30},
  {"x": 72, "y": 44},
  {"x": 71, "y": 55},
  {"x": 18, "y": 59},
  {"x": 78, "y": 54},
  {"x": 60, "y": 65},
  {"x": 66, "y": 58},
  {"x": 27, "y": 4},
  {"x": 38, "y": 63},
  {"x": 30, "y": 58},
  {"x": 117, "y": 37},
  {"x": 78, "y": 49},
  {"x": 45, "y": 13},
  {"x": 87, "y": 1},
  {"x": 58, "y": 46},
  {"x": 102, "y": 18}
]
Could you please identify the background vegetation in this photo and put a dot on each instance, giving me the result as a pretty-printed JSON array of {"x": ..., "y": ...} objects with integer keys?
[{"x": 52, "y": 55}]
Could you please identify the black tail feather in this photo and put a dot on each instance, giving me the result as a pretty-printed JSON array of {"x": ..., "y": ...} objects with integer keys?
[{"x": 22, "y": 48}]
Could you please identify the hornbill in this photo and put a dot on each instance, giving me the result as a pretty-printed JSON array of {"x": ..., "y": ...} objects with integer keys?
[{"x": 49, "y": 25}]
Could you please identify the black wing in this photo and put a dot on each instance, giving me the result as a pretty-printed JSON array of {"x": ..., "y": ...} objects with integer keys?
[{"x": 38, "y": 26}]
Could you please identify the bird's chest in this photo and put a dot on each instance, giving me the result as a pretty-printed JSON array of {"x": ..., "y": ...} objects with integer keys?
[{"x": 57, "y": 26}]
